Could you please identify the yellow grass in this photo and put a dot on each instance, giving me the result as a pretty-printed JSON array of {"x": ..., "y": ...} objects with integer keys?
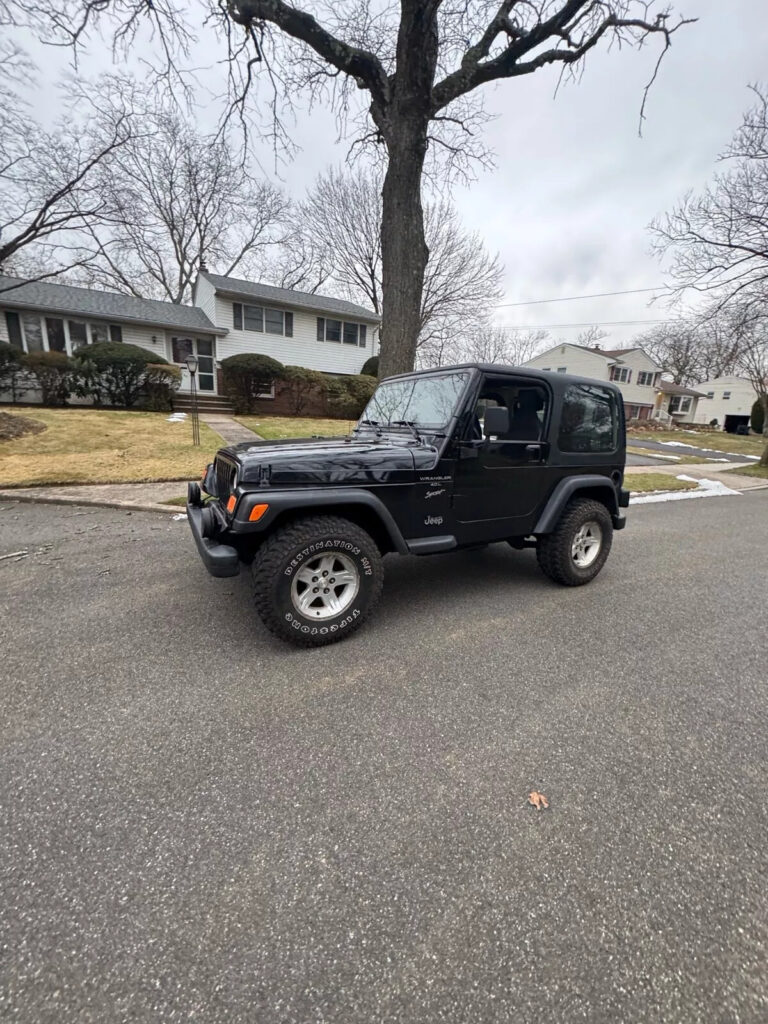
[
  {"x": 278, "y": 428},
  {"x": 643, "y": 482},
  {"x": 94, "y": 446},
  {"x": 719, "y": 440}
]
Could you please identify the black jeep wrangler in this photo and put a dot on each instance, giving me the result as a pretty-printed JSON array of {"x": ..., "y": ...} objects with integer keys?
[{"x": 449, "y": 458}]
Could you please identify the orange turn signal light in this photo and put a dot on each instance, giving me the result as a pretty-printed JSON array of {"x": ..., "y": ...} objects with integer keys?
[
  {"x": 257, "y": 512},
  {"x": 231, "y": 503}
]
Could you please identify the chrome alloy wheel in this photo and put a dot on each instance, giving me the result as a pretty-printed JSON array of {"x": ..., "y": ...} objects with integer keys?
[
  {"x": 325, "y": 586},
  {"x": 587, "y": 544}
]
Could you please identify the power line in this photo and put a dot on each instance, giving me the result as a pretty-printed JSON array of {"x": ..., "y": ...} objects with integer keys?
[
  {"x": 588, "y": 323},
  {"x": 574, "y": 298}
]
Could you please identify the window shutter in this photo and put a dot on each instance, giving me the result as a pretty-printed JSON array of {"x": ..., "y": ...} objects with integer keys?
[
  {"x": 289, "y": 325},
  {"x": 362, "y": 335},
  {"x": 321, "y": 328},
  {"x": 237, "y": 315}
]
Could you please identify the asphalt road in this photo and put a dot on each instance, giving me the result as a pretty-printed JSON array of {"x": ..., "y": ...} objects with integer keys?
[{"x": 201, "y": 824}]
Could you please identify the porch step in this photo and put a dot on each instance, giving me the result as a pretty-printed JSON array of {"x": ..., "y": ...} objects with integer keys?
[{"x": 205, "y": 403}]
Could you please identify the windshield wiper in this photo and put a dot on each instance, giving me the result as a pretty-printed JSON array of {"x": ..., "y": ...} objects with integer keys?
[
  {"x": 406, "y": 423},
  {"x": 369, "y": 423}
]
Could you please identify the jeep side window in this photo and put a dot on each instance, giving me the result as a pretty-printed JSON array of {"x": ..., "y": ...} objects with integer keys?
[
  {"x": 527, "y": 405},
  {"x": 589, "y": 420}
]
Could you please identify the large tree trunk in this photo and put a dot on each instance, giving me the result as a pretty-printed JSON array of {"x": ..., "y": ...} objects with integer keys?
[
  {"x": 764, "y": 456},
  {"x": 404, "y": 251}
]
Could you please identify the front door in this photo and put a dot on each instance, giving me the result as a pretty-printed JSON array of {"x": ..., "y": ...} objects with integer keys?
[
  {"x": 501, "y": 482},
  {"x": 206, "y": 367}
]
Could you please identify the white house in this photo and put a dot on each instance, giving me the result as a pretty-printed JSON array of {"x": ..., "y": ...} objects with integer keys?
[
  {"x": 728, "y": 400},
  {"x": 228, "y": 316},
  {"x": 637, "y": 375}
]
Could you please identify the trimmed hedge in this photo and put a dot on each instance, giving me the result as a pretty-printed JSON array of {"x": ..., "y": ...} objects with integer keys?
[
  {"x": 301, "y": 385},
  {"x": 371, "y": 367},
  {"x": 348, "y": 396},
  {"x": 55, "y": 373},
  {"x": 113, "y": 370},
  {"x": 247, "y": 376},
  {"x": 12, "y": 371}
]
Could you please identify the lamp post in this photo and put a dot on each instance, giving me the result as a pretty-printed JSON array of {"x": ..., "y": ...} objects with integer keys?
[{"x": 191, "y": 362}]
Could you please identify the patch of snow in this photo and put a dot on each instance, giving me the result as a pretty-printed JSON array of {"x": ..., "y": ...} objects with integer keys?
[
  {"x": 179, "y": 516},
  {"x": 706, "y": 489},
  {"x": 177, "y": 417},
  {"x": 657, "y": 455},
  {"x": 732, "y": 456}
]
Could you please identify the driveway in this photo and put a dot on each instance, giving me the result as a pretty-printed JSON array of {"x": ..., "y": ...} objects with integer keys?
[{"x": 200, "y": 824}]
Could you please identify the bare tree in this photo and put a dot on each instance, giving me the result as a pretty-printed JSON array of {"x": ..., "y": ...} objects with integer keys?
[
  {"x": 342, "y": 214},
  {"x": 718, "y": 238},
  {"x": 173, "y": 198},
  {"x": 48, "y": 180},
  {"x": 503, "y": 346},
  {"x": 420, "y": 65},
  {"x": 676, "y": 348}
]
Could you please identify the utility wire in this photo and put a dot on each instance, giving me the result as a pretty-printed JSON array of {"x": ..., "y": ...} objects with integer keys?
[
  {"x": 575, "y": 298},
  {"x": 587, "y": 323}
]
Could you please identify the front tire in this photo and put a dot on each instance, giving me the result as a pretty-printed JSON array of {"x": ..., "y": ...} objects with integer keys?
[
  {"x": 576, "y": 550},
  {"x": 316, "y": 580}
]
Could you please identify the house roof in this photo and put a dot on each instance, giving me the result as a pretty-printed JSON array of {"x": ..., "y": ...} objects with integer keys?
[
  {"x": 288, "y": 297},
  {"x": 70, "y": 300},
  {"x": 677, "y": 389}
]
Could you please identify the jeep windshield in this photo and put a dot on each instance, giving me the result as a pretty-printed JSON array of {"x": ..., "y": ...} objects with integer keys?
[{"x": 416, "y": 403}]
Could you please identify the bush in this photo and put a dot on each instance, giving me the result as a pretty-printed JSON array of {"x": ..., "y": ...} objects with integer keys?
[
  {"x": 161, "y": 380},
  {"x": 757, "y": 417},
  {"x": 12, "y": 371},
  {"x": 371, "y": 367},
  {"x": 55, "y": 375},
  {"x": 301, "y": 386},
  {"x": 114, "y": 370},
  {"x": 248, "y": 376},
  {"x": 348, "y": 396}
]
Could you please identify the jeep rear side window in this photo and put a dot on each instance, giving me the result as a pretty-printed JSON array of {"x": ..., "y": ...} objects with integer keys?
[{"x": 589, "y": 420}]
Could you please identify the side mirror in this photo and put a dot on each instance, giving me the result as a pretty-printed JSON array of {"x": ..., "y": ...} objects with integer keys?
[{"x": 495, "y": 421}]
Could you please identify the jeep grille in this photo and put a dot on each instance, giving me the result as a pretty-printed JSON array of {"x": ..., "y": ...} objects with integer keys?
[{"x": 226, "y": 478}]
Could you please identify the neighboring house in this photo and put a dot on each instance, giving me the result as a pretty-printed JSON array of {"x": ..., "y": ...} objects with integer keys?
[
  {"x": 637, "y": 375},
  {"x": 228, "y": 316},
  {"x": 676, "y": 402},
  {"x": 728, "y": 400}
]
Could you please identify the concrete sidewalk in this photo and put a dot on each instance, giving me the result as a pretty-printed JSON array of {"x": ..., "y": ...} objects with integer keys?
[{"x": 228, "y": 428}]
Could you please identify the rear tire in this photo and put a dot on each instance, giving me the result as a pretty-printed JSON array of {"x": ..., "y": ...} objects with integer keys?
[
  {"x": 317, "y": 580},
  {"x": 576, "y": 550}
]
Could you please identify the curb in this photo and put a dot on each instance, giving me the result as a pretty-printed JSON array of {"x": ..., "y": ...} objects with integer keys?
[{"x": 35, "y": 499}]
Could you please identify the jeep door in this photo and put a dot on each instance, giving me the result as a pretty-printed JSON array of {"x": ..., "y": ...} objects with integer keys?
[{"x": 502, "y": 482}]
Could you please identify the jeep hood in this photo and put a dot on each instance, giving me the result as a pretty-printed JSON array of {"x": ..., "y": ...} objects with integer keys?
[{"x": 389, "y": 458}]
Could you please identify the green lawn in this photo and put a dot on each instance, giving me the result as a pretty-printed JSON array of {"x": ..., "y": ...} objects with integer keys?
[
  {"x": 680, "y": 458},
  {"x": 641, "y": 483},
  {"x": 278, "y": 428},
  {"x": 96, "y": 446},
  {"x": 715, "y": 439}
]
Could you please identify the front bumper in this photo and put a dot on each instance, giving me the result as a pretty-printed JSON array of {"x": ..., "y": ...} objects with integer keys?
[{"x": 221, "y": 560}]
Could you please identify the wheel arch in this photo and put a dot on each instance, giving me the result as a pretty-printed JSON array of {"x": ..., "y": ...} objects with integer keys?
[{"x": 599, "y": 488}]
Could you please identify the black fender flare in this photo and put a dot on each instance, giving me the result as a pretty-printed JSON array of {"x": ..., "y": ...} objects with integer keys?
[
  {"x": 312, "y": 498},
  {"x": 566, "y": 489}
]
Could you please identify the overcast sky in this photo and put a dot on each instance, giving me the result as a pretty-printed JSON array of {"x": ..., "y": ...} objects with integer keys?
[{"x": 574, "y": 187}]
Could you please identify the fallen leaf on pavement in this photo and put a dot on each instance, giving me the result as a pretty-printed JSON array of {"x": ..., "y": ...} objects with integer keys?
[{"x": 538, "y": 800}]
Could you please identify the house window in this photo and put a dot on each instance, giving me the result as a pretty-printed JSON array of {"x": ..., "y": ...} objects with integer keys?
[
  {"x": 680, "y": 403},
  {"x": 338, "y": 330},
  {"x": 546, "y": 369},
  {"x": 115, "y": 332},
  {"x": 180, "y": 349},
  {"x": 78, "y": 334},
  {"x": 57, "y": 341},
  {"x": 621, "y": 374},
  {"x": 14, "y": 330},
  {"x": 645, "y": 377},
  {"x": 710, "y": 394},
  {"x": 273, "y": 321},
  {"x": 562, "y": 369},
  {"x": 726, "y": 395},
  {"x": 98, "y": 333},
  {"x": 253, "y": 318},
  {"x": 33, "y": 332}
]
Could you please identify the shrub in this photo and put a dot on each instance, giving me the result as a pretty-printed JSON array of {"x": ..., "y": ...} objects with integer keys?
[
  {"x": 247, "y": 377},
  {"x": 12, "y": 371},
  {"x": 348, "y": 396},
  {"x": 371, "y": 367},
  {"x": 301, "y": 385},
  {"x": 55, "y": 375},
  {"x": 161, "y": 380},
  {"x": 114, "y": 370},
  {"x": 757, "y": 417}
]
